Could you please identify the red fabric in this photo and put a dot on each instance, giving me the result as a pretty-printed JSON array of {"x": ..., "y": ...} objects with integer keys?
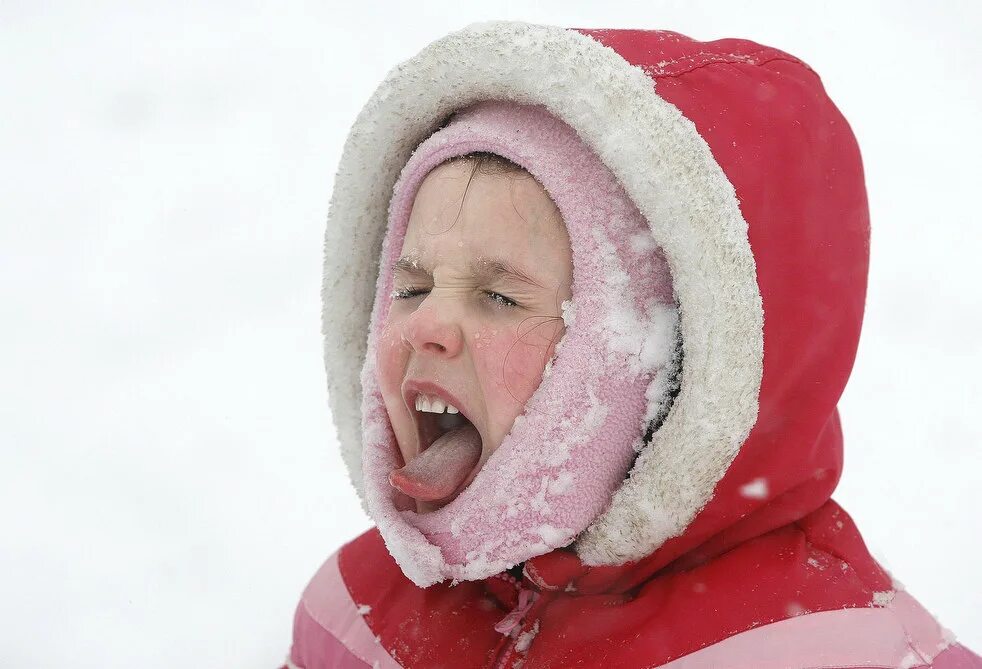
[
  {"x": 744, "y": 561},
  {"x": 797, "y": 172},
  {"x": 817, "y": 564},
  {"x": 423, "y": 627}
]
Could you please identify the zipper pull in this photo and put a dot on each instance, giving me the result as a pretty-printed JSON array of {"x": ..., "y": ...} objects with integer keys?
[{"x": 526, "y": 598}]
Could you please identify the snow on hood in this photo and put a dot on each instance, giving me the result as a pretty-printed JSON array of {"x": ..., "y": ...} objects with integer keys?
[{"x": 751, "y": 182}]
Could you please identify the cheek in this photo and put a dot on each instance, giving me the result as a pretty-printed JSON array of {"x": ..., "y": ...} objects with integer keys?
[{"x": 512, "y": 365}]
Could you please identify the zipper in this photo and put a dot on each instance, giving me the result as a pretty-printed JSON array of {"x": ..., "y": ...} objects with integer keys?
[{"x": 514, "y": 623}]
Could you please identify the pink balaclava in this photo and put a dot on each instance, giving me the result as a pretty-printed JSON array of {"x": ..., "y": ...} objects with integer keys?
[{"x": 607, "y": 386}]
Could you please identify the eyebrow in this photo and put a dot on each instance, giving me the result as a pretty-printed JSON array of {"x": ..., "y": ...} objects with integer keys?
[{"x": 486, "y": 268}]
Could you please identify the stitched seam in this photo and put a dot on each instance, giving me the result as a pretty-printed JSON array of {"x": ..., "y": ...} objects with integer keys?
[
  {"x": 698, "y": 59},
  {"x": 733, "y": 61},
  {"x": 828, "y": 550}
]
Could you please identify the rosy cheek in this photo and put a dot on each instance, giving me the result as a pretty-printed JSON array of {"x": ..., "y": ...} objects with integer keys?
[{"x": 511, "y": 365}]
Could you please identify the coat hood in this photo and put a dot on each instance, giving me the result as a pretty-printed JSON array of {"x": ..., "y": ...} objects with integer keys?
[{"x": 751, "y": 182}]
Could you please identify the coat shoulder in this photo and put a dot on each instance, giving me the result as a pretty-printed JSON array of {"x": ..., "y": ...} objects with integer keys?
[
  {"x": 807, "y": 594},
  {"x": 329, "y": 626}
]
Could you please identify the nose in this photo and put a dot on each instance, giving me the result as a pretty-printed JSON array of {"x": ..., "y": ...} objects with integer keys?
[{"x": 429, "y": 331}]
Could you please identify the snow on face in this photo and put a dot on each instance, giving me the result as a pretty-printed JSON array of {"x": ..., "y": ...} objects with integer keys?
[{"x": 476, "y": 302}]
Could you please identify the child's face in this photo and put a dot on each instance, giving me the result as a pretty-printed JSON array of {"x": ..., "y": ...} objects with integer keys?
[{"x": 481, "y": 335}]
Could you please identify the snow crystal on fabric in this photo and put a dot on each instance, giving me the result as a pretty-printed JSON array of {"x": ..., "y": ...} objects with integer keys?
[
  {"x": 883, "y": 598},
  {"x": 637, "y": 332},
  {"x": 756, "y": 489},
  {"x": 525, "y": 638},
  {"x": 569, "y": 313}
]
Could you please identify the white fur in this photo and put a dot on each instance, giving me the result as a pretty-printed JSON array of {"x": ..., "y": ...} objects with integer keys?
[{"x": 667, "y": 169}]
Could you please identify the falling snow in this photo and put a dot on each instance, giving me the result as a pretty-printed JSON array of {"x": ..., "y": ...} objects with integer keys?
[{"x": 756, "y": 489}]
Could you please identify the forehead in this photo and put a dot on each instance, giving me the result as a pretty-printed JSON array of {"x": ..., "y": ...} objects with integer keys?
[{"x": 459, "y": 212}]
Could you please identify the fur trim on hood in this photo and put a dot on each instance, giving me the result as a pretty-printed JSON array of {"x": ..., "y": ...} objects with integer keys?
[{"x": 752, "y": 187}]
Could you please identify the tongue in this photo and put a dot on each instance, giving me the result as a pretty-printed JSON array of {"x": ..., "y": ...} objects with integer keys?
[{"x": 439, "y": 470}]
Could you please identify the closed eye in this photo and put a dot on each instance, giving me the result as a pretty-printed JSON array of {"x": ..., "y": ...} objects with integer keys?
[
  {"x": 501, "y": 299},
  {"x": 411, "y": 292},
  {"x": 406, "y": 293}
]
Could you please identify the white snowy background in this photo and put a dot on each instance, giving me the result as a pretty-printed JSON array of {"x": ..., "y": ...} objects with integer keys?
[{"x": 169, "y": 475}]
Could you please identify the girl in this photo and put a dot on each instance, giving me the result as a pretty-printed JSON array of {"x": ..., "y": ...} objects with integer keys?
[{"x": 619, "y": 279}]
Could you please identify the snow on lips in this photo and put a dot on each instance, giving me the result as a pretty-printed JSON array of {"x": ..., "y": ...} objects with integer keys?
[{"x": 450, "y": 448}]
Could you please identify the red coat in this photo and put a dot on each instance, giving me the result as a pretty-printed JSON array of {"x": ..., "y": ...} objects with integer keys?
[
  {"x": 832, "y": 604},
  {"x": 769, "y": 572}
]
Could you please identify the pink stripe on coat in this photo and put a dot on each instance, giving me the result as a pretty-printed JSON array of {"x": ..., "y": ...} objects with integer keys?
[
  {"x": 957, "y": 657},
  {"x": 900, "y": 635},
  {"x": 329, "y": 632}
]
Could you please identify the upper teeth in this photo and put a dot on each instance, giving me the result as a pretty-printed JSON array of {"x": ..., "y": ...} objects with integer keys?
[{"x": 433, "y": 405}]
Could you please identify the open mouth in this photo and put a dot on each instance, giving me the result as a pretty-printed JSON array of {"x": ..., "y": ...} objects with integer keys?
[
  {"x": 431, "y": 426},
  {"x": 450, "y": 448}
]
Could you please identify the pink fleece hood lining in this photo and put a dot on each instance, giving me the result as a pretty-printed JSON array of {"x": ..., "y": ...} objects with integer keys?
[{"x": 610, "y": 377}]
